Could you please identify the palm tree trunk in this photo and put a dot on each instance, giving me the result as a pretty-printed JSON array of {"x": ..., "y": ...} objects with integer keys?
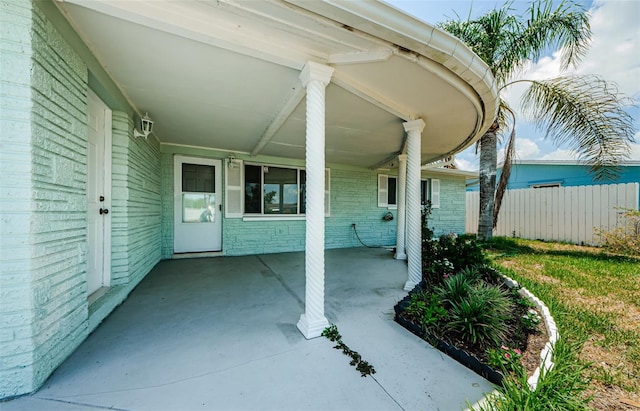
[{"x": 488, "y": 165}]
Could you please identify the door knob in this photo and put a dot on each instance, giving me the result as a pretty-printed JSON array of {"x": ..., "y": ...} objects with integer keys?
[{"x": 104, "y": 211}]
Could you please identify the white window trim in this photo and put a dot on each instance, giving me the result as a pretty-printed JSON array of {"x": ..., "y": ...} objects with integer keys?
[
  {"x": 433, "y": 186},
  {"x": 434, "y": 192},
  {"x": 230, "y": 190},
  {"x": 273, "y": 217},
  {"x": 381, "y": 190},
  {"x": 283, "y": 217}
]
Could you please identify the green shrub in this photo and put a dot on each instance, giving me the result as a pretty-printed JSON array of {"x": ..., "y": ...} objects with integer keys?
[
  {"x": 481, "y": 318},
  {"x": 417, "y": 306},
  {"x": 454, "y": 289},
  {"x": 461, "y": 250},
  {"x": 434, "y": 313},
  {"x": 426, "y": 308}
]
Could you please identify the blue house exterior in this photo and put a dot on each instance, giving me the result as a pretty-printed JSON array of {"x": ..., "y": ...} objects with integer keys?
[{"x": 559, "y": 173}]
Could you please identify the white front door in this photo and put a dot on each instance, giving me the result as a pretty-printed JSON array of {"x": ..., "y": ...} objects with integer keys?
[
  {"x": 98, "y": 194},
  {"x": 197, "y": 205}
]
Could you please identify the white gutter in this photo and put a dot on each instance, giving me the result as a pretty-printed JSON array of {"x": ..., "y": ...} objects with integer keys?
[{"x": 430, "y": 47}]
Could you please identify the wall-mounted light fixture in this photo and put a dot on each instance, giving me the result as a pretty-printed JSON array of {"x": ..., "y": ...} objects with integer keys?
[
  {"x": 231, "y": 161},
  {"x": 146, "y": 125}
]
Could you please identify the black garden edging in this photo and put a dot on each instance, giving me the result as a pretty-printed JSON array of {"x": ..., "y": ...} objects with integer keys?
[{"x": 459, "y": 355}]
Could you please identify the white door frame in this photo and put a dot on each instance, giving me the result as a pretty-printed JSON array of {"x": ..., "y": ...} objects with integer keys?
[
  {"x": 106, "y": 204},
  {"x": 216, "y": 245}
]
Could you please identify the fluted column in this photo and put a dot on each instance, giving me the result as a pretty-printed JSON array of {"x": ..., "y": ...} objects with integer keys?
[
  {"x": 414, "y": 236},
  {"x": 402, "y": 185},
  {"x": 315, "y": 78}
]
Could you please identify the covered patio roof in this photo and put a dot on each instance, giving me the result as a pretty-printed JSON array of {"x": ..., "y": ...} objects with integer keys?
[{"x": 224, "y": 74}]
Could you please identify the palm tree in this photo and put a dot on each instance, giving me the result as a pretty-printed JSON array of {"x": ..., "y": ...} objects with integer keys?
[{"x": 584, "y": 112}]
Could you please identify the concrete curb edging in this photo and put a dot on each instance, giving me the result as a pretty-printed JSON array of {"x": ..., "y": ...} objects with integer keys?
[{"x": 546, "y": 354}]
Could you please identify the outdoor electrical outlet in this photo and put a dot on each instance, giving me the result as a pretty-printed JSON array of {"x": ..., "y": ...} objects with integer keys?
[{"x": 353, "y": 225}]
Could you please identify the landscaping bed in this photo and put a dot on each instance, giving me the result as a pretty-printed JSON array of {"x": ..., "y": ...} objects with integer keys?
[
  {"x": 475, "y": 314},
  {"x": 524, "y": 344}
]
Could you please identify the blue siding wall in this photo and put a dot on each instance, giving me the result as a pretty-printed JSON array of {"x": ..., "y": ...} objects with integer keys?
[{"x": 523, "y": 175}]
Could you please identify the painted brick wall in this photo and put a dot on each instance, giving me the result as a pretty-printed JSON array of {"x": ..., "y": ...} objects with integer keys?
[
  {"x": 450, "y": 217},
  {"x": 353, "y": 201},
  {"x": 47, "y": 136},
  {"x": 43, "y": 301},
  {"x": 144, "y": 206},
  {"x": 16, "y": 299},
  {"x": 136, "y": 204}
]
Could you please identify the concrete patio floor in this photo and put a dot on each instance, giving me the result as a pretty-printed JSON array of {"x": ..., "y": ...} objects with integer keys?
[{"x": 220, "y": 334}]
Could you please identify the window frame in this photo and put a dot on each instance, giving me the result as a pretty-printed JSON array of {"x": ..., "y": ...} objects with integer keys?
[
  {"x": 430, "y": 184},
  {"x": 385, "y": 203},
  {"x": 261, "y": 216}
]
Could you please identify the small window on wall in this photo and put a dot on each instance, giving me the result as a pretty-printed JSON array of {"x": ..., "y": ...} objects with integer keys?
[
  {"x": 430, "y": 191},
  {"x": 545, "y": 185},
  {"x": 388, "y": 191}
]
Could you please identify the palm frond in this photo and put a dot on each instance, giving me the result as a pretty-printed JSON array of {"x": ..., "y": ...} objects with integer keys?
[
  {"x": 487, "y": 35},
  {"x": 566, "y": 27},
  {"x": 588, "y": 115}
]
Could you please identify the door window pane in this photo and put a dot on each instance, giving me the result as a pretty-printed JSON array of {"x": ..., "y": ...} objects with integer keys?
[
  {"x": 198, "y": 208},
  {"x": 198, "y": 178}
]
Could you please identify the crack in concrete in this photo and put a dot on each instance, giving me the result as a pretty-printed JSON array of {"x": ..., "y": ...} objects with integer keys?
[{"x": 282, "y": 282}]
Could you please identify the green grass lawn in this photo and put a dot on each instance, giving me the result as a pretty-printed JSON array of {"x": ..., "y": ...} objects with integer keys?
[{"x": 595, "y": 300}]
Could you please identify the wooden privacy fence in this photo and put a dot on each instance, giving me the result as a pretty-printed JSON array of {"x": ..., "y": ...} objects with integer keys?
[{"x": 560, "y": 213}]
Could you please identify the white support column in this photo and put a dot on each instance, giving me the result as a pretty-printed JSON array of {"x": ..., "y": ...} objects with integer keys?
[
  {"x": 315, "y": 78},
  {"x": 414, "y": 230},
  {"x": 402, "y": 186}
]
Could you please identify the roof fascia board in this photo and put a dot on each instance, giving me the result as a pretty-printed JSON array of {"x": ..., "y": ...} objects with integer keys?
[
  {"x": 370, "y": 56},
  {"x": 451, "y": 172}
]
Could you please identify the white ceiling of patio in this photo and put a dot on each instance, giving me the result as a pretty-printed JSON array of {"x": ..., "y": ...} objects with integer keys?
[{"x": 224, "y": 74}]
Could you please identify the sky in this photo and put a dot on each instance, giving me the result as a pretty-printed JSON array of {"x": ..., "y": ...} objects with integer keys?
[{"x": 614, "y": 54}]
